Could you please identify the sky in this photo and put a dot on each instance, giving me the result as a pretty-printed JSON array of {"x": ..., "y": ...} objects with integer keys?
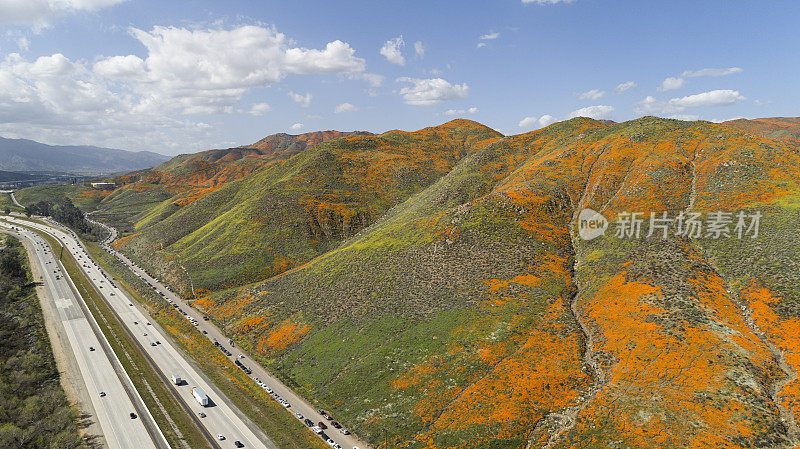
[{"x": 183, "y": 76}]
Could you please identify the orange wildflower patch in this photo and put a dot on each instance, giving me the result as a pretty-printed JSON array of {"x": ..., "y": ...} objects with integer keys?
[
  {"x": 122, "y": 241},
  {"x": 281, "y": 337}
]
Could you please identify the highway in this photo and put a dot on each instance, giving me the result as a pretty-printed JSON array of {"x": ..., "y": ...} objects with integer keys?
[
  {"x": 222, "y": 422},
  {"x": 297, "y": 402},
  {"x": 110, "y": 390}
]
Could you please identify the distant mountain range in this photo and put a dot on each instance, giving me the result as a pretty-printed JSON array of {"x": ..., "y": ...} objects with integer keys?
[{"x": 21, "y": 155}]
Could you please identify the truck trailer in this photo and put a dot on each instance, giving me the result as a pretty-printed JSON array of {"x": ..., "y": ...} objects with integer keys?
[
  {"x": 200, "y": 396},
  {"x": 176, "y": 379}
]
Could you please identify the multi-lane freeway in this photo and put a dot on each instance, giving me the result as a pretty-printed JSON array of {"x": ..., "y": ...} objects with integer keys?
[
  {"x": 296, "y": 402},
  {"x": 226, "y": 425},
  {"x": 120, "y": 412}
]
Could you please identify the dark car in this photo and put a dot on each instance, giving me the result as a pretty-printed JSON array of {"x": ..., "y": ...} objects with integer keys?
[
  {"x": 309, "y": 422},
  {"x": 133, "y": 415},
  {"x": 336, "y": 425},
  {"x": 238, "y": 443},
  {"x": 322, "y": 425}
]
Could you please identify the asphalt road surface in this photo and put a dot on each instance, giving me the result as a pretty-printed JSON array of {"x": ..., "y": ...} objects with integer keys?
[
  {"x": 220, "y": 418},
  {"x": 111, "y": 392},
  {"x": 297, "y": 403}
]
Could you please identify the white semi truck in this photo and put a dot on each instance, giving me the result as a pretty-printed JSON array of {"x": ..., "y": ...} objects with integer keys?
[
  {"x": 176, "y": 379},
  {"x": 200, "y": 396}
]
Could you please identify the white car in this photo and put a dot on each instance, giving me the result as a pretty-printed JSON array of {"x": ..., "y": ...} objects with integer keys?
[{"x": 220, "y": 436}]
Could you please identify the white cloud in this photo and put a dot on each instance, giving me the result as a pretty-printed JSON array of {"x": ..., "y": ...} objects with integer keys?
[
  {"x": 599, "y": 112},
  {"x": 129, "y": 67},
  {"x": 711, "y": 98},
  {"x": 451, "y": 112},
  {"x": 40, "y": 13},
  {"x": 685, "y": 117},
  {"x": 676, "y": 83},
  {"x": 419, "y": 49},
  {"x": 546, "y": 2},
  {"x": 391, "y": 50},
  {"x": 481, "y": 45},
  {"x": 131, "y": 102},
  {"x": 302, "y": 100},
  {"x": 490, "y": 36},
  {"x": 652, "y": 106},
  {"x": 546, "y": 120},
  {"x": 623, "y": 87},
  {"x": 344, "y": 107},
  {"x": 297, "y": 126},
  {"x": 24, "y": 44},
  {"x": 677, "y": 105},
  {"x": 537, "y": 122},
  {"x": 671, "y": 84},
  {"x": 55, "y": 100},
  {"x": 259, "y": 109},
  {"x": 426, "y": 92},
  {"x": 373, "y": 79},
  {"x": 712, "y": 72},
  {"x": 208, "y": 71},
  {"x": 593, "y": 94}
]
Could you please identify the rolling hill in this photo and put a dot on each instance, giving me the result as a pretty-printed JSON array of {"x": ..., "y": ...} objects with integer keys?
[
  {"x": 780, "y": 128},
  {"x": 28, "y": 155},
  {"x": 287, "y": 210},
  {"x": 473, "y": 315}
]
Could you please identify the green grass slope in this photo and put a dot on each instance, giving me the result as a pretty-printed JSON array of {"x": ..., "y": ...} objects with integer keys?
[
  {"x": 291, "y": 211},
  {"x": 472, "y": 315}
]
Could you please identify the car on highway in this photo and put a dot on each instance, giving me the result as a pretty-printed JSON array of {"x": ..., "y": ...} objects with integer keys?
[
  {"x": 220, "y": 436},
  {"x": 133, "y": 415},
  {"x": 201, "y": 414},
  {"x": 102, "y": 394},
  {"x": 91, "y": 348},
  {"x": 238, "y": 443}
]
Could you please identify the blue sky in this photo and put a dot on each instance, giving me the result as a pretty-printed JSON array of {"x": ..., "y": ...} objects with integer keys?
[{"x": 178, "y": 77}]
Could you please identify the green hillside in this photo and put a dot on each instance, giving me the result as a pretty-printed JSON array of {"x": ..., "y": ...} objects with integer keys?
[
  {"x": 287, "y": 212},
  {"x": 472, "y": 315}
]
